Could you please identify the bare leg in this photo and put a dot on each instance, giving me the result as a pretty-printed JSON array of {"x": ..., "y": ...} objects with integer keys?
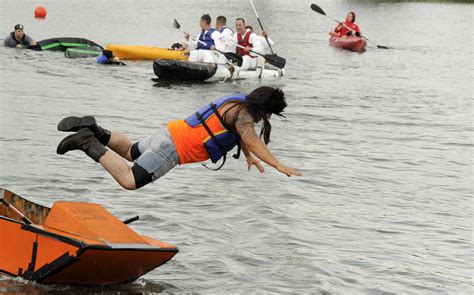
[
  {"x": 118, "y": 168},
  {"x": 120, "y": 144}
]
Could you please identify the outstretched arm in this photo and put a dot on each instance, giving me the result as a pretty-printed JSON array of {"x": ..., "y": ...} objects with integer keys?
[
  {"x": 251, "y": 159},
  {"x": 246, "y": 129}
]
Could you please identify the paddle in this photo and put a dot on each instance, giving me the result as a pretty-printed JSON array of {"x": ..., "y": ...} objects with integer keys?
[
  {"x": 318, "y": 9},
  {"x": 261, "y": 26},
  {"x": 11, "y": 207},
  {"x": 272, "y": 59},
  {"x": 229, "y": 55}
]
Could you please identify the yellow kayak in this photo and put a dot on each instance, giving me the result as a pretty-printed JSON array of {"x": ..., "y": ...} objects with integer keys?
[{"x": 136, "y": 52}]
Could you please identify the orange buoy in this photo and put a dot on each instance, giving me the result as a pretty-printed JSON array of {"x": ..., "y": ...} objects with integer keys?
[{"x": 40, "y": 12}]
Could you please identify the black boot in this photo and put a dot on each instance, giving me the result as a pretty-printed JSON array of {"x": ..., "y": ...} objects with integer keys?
[
  {"x": 83, "y": 140},
  {"x": 76, "y": 123}
]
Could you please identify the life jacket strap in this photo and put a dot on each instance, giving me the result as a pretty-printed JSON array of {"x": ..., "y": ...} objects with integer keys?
[
  {"x": 224, "y": 158},
  {"x": 214, "y": 108},
  {"x": 223, "y": 152}
]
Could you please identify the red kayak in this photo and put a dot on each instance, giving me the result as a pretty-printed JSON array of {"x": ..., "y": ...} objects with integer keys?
[{"x": 351, "y": 43}]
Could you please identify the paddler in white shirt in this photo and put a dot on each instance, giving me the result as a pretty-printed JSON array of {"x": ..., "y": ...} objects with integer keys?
[
  {"x": 211, "y": 37},
  {"x": 227, "y": 33}
]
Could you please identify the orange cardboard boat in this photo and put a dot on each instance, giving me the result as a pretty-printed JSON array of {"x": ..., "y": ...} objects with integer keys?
[{"x": 73, "y": 243}]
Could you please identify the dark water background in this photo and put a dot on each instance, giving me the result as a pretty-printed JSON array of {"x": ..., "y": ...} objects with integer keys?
[{"x": 384, "y": 139}]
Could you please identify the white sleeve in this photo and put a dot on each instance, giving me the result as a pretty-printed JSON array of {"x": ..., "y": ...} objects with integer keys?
[
  {"x": 193, "y": 44},
  {"x": 227, "y": 34},
  {"x": 218, "y": 40},
  {"x": 228, "y": 37},
  {"x": 235, "y": 41},
  {"x": 270, "y": 41},
  {"x": 257, "y": 45},
  {"x": 264, "y": 43}
]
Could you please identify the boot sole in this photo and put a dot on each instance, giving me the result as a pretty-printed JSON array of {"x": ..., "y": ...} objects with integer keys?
[{"x": 76, "y": 123}]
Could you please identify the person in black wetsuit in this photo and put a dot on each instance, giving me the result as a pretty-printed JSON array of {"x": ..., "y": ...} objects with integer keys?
[{"x": 18, "y": 38}]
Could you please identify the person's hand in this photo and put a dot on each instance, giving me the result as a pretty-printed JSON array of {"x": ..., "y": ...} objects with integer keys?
[
  {"x": 19, "y": 46},
  {"x": 288, "y": 171},
  {"x": 213, "y": 47},
  {"x": 247, "y": 49},
  {"x": 252, "y": 161},
  {"x": 186, "y": 36},
  {"x": 264, "y": 33},
  {"x": 357, "y": 34},
  {"x": 349, "y": 33}
]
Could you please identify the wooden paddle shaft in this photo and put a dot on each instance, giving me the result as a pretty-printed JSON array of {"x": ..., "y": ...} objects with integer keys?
[{"x": 10, "y": 206}]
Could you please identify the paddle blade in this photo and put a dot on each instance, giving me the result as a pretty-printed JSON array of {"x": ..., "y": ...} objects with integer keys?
[
  {"x": 234, "y": 58},
  {"x": 317, "y": 9},
  {"x": 382, "y": 47},
  {"x": 275, "y": 60},
  {"x": 176, "y": 25}
]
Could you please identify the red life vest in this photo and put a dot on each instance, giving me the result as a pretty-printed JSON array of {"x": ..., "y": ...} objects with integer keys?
[
  {"x": 245, "y": 43},
  {"x": 342, "y": 30}
]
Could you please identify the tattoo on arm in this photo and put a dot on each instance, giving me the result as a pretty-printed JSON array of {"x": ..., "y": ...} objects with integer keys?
[{"x": 245, "y": 126}]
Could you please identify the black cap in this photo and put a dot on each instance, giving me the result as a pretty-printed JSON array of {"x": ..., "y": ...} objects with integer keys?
[
  {"x": 108, "y": 53},
  {"x": 18, "y": 27}
]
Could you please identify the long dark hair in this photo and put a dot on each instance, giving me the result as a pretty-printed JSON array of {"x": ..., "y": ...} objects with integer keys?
[
  {"x": 353, "y": 16},
  {"x": 260, "y": 103}
]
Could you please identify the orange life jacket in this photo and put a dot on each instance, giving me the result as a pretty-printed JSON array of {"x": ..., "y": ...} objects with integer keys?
[{"x": 203, "y": 135}]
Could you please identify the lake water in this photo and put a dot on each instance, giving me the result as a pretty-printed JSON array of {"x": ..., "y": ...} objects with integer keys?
[{"x": 384, "y": 140}]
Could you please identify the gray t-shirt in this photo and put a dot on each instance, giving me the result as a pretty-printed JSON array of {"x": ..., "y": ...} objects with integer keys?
[{"x": 10, "y": 40}]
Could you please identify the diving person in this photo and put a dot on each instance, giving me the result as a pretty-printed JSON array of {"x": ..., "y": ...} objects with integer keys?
[
  {"x": 18, "y": 38},
  {"x": 108, "y": 58},
  {"x": 347, "y": 28},
  {"x": 249, "y": 41},
  {"x": 212, "y": 39},
  {"x": 210, "y": 133}
]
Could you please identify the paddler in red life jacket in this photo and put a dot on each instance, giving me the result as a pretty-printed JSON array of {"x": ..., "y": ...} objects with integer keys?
[
  {"x": 347, "y": 28},
  {"x": 209, "y": 133},
  {"x": 212, "y": 39},
  {"x": 250, "y": 41}
]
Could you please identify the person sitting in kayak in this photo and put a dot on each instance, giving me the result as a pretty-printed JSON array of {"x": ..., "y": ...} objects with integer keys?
[
  {"x": 227, "y": 33},
  {"x": 18, "y": 38},
  {"x": 250, "y": 41},
  {"x": 108, "y": 58},
  {"x": 263, "y": 40},
  {"x": 212, "y": 39},
  {"x": 347, "y": 28},
  {"x": 210, "y": 133}
]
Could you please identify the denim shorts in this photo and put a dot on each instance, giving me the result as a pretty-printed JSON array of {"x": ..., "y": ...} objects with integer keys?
[{"x": 158, "y": 153}]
